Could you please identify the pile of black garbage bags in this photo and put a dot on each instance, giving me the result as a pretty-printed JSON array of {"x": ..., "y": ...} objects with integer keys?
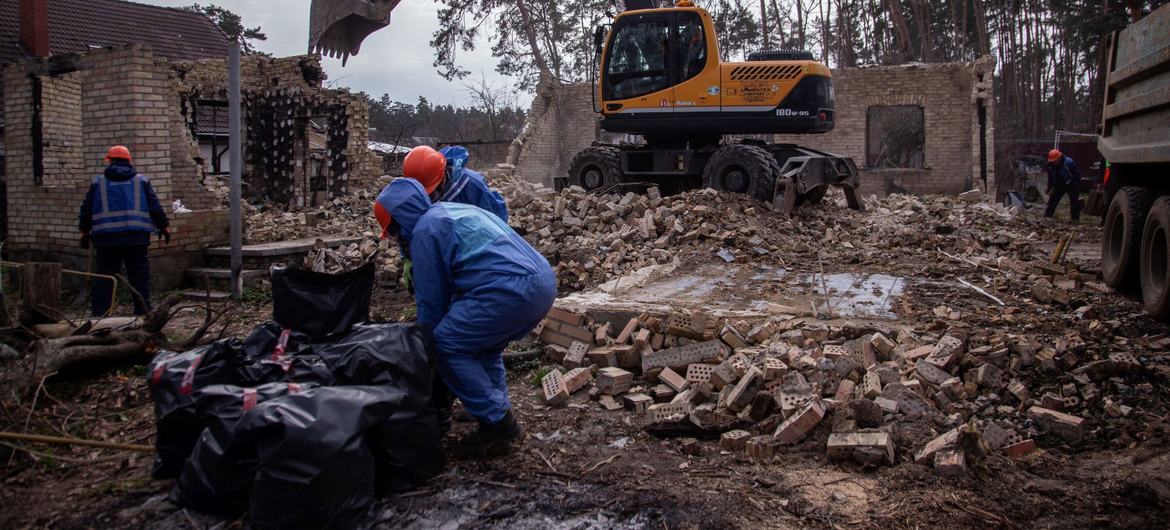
[{"x": 306, "y": 420}]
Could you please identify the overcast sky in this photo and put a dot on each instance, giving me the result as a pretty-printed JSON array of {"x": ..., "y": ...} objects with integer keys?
[{"x": 396, "y": 60}]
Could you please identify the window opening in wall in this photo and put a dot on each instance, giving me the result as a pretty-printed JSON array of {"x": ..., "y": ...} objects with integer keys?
[
  {"x": 37, "y": 132},
  {"x": 212, "y": 127},
  {"x": 895, "y": 137}
]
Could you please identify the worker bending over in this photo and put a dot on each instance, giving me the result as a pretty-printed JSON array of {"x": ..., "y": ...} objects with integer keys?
[
  {"x": 118, "y": 216},
  {"x": 480, "y": 286},
  {"x": 1063, "y": 179},
  {"x": 446, "y": 178}
]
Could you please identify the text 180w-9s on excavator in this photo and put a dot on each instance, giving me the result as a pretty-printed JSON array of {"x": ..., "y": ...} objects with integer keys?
[{"x": 661, "y": 78}]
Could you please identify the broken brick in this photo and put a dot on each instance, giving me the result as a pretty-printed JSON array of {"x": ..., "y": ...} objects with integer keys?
[
  {"x": 609, "y": 403},
  {"x": 951, "y": 462},
  {"x": 882, "y": 344},
  {"x": 567, "y": 317},
  {"x": 1019, "y": 449},
  {"x": 844, "y": 390},
  {"x": 1066, "y": 426},
  {"x": 664, "y": 412},
  {"x": 699, "y": 373},
  {"x": 762, "y": 448},
  {"x": 871, "y": 384},
  {"x": 845, "y": 446},
  {"x": 627, "y": 332},
  {"x": 683, "y": 355},
  {"x": 642, "y": 338},
  {"x": 734, "y": 440},
  {"x": 577, "y": 378},
  {"x": 602, "y": 357},
  {"x": 800, "y": 423},
  {"x": 637, "y": 403},
  {"x": 689, "y": 326},
  {"x": 673, "y": 380},
  {"x": 774, "y": 368},
  {"x": 926, "y": 454},
  {"x": 732, "y": 338},
  {"x": 614, "y": 381},
  {"x": 947, "y": 353},
  {"x": 627, "y": 356},
  {"x": 747, "y": 388},
  {"x": 576, "y": 356},
  {"x": 887, "y": 405},
  {"x": 929, "y": 373},
  {"x": 601, "y": 335},
  {"x": 555, "y": 391}
]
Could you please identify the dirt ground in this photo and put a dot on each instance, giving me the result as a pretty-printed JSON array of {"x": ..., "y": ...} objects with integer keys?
[{"x": 580, "y": 467}]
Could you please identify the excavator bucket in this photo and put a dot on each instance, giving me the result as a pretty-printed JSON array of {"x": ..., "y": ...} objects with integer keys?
[{"x": 338, "y": 27}]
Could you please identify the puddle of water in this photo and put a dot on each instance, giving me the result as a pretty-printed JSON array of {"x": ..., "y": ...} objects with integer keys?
[{"x": 734, "y": 289}]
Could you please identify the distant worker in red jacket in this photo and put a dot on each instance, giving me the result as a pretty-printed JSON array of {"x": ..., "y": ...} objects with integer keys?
[{"x": 1063, "y": 179}]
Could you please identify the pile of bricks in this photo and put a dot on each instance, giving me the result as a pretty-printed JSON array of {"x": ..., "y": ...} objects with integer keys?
[{"x": 768, "y": 386}]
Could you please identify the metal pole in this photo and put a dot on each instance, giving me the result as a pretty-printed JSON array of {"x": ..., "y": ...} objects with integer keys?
[{"x": 237, "y": 161}]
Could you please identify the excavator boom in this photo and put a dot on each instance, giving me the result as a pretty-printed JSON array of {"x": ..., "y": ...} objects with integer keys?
[{"x": 338, "y": 27}]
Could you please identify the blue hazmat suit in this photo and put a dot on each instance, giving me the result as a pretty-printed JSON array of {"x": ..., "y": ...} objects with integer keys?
[
  {"x": 478, "y": 285},
  {"x": 465, "y": 186}
]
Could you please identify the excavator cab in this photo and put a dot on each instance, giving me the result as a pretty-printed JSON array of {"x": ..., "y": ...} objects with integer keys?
[
  {"x": 338, "y": 27},
  {"x": 661, "y": 77}
]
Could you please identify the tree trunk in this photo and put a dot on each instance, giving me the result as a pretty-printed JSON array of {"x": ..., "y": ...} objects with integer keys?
[
  {"x": 901, "y": 30},
  {"x": 530, "y": 36},
  {"x": 803, "y": 44},
  {"x": 764, "y": 22},
  {"x": 40, "y": 285}
]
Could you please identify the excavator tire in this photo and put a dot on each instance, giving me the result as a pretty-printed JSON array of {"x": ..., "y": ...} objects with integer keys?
[
  {"x": 1155, "y": 260},
  {"x": 1124, "y": 220},
  {"x": 741, "y": 168},
  {"x": 596, "y": 168}
]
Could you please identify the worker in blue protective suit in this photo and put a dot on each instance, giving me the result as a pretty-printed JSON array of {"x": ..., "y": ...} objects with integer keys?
[
  {"x": 465, "y": 186},
  {"x": 118, "y": 216},
  {"x": 480, "y": 286}
]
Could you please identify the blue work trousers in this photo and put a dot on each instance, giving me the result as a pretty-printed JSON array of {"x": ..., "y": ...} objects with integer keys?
[{"x": 471, "y": 340}]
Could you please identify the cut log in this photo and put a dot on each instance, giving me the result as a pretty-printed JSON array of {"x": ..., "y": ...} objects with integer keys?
[{"x": 52, "y": 355}]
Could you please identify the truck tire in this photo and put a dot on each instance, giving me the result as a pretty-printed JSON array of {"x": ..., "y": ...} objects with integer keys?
[
  {"x": 740, "y": 168},
  {"x": 596, "y": 168},
  {"x": 1155, "y": 260},
  {"x": 1123, "y": 232}
]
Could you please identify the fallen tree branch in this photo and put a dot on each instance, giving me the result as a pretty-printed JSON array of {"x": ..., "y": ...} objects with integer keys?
[
  {"x": 981, "y": 291},
  {"x": 56, "y": 440}
]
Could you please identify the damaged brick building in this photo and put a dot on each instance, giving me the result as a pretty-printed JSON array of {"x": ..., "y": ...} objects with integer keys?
[
  {"x": 65, "y": 106},
  {"x": 918, "y": 129}
]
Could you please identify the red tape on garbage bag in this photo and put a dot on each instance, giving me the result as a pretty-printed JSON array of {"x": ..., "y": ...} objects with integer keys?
[
  {"x": 249, "y": 399},
  {"x": 185, "y": 387}
]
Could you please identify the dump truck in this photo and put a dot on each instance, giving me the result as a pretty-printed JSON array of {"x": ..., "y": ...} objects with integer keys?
[
  {"x": 661, "y": 78},
  {"x": 1135, "y": 139}
]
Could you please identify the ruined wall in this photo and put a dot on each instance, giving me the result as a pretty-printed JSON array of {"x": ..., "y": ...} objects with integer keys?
[
  {"x": 560, "y": 123},
  {"x": 88, "y": 103},
  {"x": 280, "y": 95},
  {"x": 949, "y": 95}
]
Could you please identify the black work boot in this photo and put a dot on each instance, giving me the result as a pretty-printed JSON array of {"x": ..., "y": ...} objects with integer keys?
[{"x": 490, "y": 436}]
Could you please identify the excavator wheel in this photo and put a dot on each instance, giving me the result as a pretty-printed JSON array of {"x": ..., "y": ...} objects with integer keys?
[
  {"x": 741, "y": 168},
  {"x": 596, "y": 168}
]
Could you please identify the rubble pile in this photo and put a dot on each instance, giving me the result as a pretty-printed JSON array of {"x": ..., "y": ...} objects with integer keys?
[
  {"x": 866, "y": 393},
  {"x": 593, "y": 238},
  {"x": 342, "y": 259},
  {"x": 347, "y": 215}
]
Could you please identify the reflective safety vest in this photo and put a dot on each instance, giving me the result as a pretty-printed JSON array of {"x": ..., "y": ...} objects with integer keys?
[{"x": 121, "y": 206}]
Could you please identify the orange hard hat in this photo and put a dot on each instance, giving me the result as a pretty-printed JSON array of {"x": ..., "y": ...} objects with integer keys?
[
  {"x": 383, "y": 217},
  {"x": 425, "y": 165},
  {"x": 118, "y": 151},
  {"x": 1054, "y": 155}
]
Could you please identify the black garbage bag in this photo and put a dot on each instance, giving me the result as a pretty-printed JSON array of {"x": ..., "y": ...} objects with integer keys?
[
  {"x": 320, "y": 304},
  {"x": 316, "y": 470},
  {"x": 218, "y": 477},
  {"x": 407, "y": 447},
  {"x": 173, "y": 379},
  {"x": 298, "y": 367}
]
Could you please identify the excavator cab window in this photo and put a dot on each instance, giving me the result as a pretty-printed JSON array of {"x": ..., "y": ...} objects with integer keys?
[
  {"x": 692, "y": 46},
  {"x": 637, "y": 62}
]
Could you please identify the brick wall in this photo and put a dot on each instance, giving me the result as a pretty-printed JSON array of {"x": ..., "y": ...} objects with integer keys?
[
  {"x": 107, "y": 97},
  {"x": 562, "y": 122},
  {"x": 949, "y": 95}
]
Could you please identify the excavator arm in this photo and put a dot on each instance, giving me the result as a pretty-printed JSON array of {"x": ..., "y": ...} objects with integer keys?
[{"x": 338, "y": 27}]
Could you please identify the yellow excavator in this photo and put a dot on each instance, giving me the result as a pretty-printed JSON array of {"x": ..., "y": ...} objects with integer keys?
[{"x": 661, "y": 78}]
